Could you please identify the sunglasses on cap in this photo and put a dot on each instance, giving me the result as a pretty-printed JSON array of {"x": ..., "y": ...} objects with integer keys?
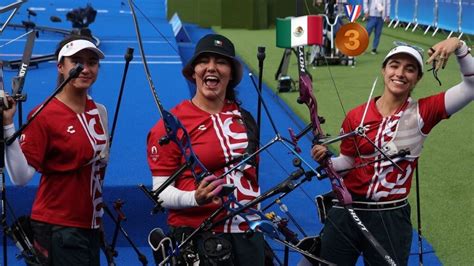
[
  {"x": 421, "y": 51},
  {"x": 417, "y": 48}
]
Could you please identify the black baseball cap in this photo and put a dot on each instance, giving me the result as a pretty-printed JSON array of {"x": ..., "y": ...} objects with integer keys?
[{"x": 215, "y": 44}]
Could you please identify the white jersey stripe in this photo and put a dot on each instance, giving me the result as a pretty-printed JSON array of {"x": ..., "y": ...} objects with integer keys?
[{"x": 215, "y": 124}]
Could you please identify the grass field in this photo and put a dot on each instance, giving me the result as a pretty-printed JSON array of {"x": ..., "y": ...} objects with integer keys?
[{"x": 446, "y": 167}]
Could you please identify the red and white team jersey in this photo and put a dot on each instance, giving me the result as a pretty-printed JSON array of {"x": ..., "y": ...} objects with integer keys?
[
  {"x": 405, "y": 130},
  {"x": 216, "y": 139},
  {"x": 65, "y": 147}
]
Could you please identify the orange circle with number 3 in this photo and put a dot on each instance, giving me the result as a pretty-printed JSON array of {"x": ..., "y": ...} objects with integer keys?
[{"x": 352, "y": 39}]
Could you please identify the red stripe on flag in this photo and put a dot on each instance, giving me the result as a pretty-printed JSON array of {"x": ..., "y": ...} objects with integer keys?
[
  {"x": 358, "y": 10},
  {"x": 315, "y": 30}
]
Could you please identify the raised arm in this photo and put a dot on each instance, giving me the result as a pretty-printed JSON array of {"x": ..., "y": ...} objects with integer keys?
[{"x": 461, "y": 94}]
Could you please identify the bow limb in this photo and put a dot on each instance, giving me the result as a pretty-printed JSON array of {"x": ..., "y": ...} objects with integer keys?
[
  {"x": 145, "y": 64},
  {"x": 19, "y": 81},
  {"x": 307, "y": 97},
  {"x": 171, "y": 123}
]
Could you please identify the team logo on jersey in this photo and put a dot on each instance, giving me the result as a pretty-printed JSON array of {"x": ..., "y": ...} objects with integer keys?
[
  {"x": 70, "y": 129},
  {"x": 154, "y": 153}
]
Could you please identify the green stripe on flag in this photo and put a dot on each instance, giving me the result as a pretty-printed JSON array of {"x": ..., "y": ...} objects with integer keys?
[{"x": 283, "y": 33}]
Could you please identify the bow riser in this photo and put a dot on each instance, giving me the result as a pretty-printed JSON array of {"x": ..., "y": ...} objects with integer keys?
[{"x": 307, "y": 97}]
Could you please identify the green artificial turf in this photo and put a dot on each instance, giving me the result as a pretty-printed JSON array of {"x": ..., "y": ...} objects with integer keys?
[{"x": 446, "y": 166}]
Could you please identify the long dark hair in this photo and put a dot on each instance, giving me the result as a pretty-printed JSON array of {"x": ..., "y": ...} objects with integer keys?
[{"x": 231, "y": 95}]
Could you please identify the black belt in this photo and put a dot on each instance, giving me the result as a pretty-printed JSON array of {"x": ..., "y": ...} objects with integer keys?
[{"x": 375, "y": 206}]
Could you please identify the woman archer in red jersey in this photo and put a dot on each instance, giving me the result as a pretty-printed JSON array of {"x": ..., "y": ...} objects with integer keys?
[
  {"x": 221, "y": 132},
  {"x": 67, "y": 144},
  {"x": 397, "y": 124}
]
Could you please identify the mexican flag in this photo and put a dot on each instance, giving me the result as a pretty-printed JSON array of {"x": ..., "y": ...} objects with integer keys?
[{"x": 296, "y": 31}]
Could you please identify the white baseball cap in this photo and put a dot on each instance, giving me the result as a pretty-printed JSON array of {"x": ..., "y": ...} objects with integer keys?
[
  {"x": 406, "y": 49},
  {"x": 75, "y": 46}
]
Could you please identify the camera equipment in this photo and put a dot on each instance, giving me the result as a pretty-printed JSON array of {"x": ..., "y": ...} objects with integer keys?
[{"x": 81, "y": 18}]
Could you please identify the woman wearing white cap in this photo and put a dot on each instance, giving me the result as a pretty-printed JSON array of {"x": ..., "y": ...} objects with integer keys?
[
  {"x": 221, "y": 132},
  {"x": 398, "y": 125},
  {"x": 67, "y": 144}
]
